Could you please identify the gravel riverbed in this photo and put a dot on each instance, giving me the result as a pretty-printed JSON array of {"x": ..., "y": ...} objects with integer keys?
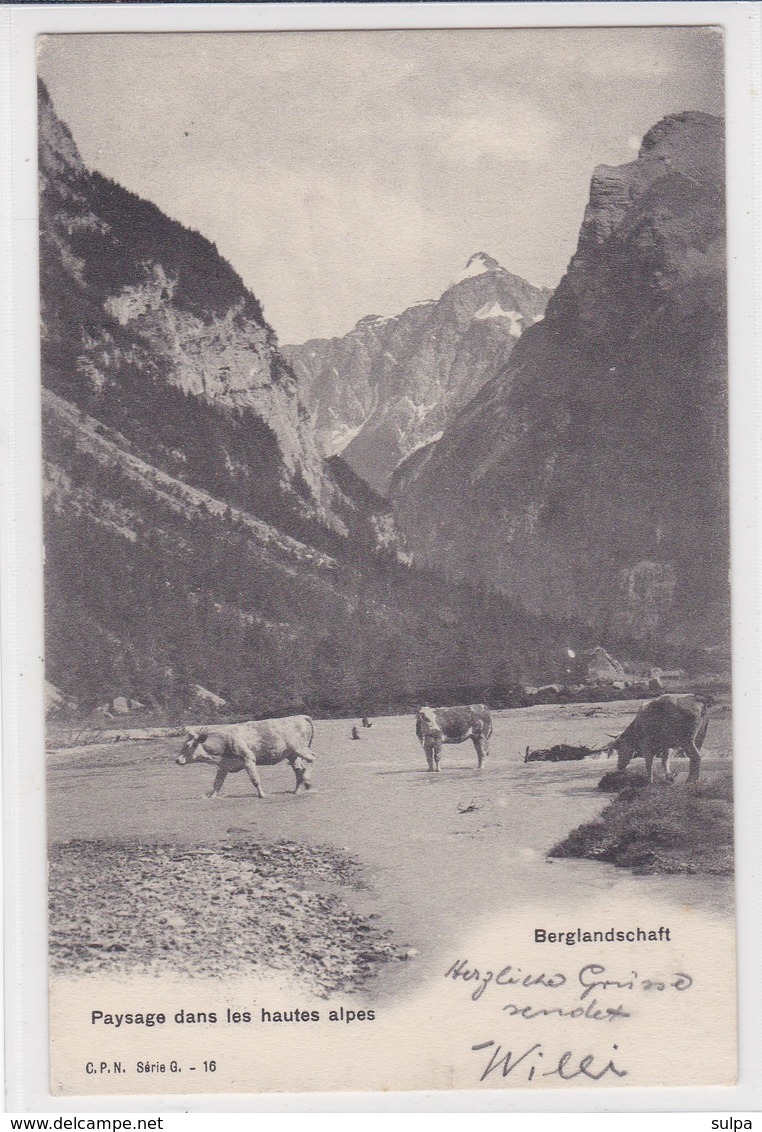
[{"x": 214, "y": 910}]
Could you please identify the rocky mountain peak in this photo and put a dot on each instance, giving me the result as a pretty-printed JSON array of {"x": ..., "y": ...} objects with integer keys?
[
  {"x": 478, "y": 264},
  {"x": 392, "y": 384},
  {"x": 682, "y": 155},
  {"x": 686, "y": 140}
]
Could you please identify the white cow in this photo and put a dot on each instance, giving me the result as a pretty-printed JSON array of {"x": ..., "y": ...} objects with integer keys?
[
  {"x": 435, "y": 726},
  {"x": 245, "y": 746}
]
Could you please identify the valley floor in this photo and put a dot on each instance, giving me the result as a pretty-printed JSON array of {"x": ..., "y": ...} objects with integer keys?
[{"x": 373, "y": 879}]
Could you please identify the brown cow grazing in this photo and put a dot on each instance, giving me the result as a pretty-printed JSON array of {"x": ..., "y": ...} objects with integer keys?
[
  {"x": 245, "y": 746},
  {"x": 435, "y": 726},
  {"x": 664, "y": 724}
]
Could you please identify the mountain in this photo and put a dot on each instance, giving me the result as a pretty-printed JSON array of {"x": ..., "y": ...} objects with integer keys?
[
  {"x": 192, "y": 526},
  {"x": 136, "y": 308},
  {"x": 194, "y": 533},
  {"x": 590, "y": 476},
  {"x": 393, "y": 384}
]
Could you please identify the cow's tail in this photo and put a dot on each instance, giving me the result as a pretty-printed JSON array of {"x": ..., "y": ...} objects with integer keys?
[
  {"x": 312, "y": 730},
  {"x": 706, "y": 704}
]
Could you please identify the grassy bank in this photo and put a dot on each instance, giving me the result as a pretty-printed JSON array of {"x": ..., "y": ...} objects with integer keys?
[{"x": 661, "y": 828}]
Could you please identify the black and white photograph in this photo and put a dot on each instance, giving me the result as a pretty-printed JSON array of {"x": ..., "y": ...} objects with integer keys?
[{"x": 387, "y": 613}]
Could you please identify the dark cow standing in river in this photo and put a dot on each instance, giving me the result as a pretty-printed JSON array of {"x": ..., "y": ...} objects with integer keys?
[
  {"x": 665, "y": 724},
  {"x": 436, "y": 726},
  {"x": 245, "y": 746}
]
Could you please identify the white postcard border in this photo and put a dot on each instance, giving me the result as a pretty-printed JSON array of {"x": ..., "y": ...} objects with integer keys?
[{"x": 26, "y": 1005}]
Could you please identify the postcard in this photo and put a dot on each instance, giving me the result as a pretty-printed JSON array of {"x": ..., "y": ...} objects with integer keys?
[{"x": 385, "y": 453}]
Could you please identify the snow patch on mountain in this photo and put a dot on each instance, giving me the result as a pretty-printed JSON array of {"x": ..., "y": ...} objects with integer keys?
[
  {"x": 337, "y": 439},
  {"x": 477, "y": 265},
  {"x": 424, "y": 443},
  {"x": 494, "y": 310}
]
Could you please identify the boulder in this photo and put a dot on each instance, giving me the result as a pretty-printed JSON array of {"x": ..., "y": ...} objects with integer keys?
[
  {"x": 204, "y": 696},
  {"x": 602, "y": 668},
  {"x": 55, "y": 700}
]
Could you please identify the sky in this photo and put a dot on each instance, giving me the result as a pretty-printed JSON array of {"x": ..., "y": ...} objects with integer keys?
[{"x": 353, "y": 173}]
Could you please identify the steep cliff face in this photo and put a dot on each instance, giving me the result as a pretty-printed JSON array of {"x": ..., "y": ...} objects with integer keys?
[
  {"x": 590, "y": 476},
  {"x": 393, "y": 384},
  {"x": 132, "y": 303}
]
